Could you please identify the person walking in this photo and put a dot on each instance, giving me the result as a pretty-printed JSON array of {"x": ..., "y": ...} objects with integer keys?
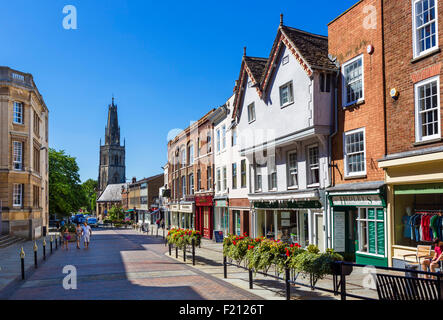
[
  {"x": 66, "y": 237},
  {"x": 86, "y": 234},
  {"x": 78, "y": 233}
]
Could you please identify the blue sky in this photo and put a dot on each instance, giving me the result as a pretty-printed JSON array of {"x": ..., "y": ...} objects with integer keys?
[{"x": 166, "y": 62}]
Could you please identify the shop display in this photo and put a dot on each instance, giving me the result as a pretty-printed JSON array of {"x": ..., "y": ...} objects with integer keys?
[{"x": 423, "y": 225}]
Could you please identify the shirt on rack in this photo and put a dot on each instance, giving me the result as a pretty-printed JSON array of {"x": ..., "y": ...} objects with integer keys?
[
  {"x": 417, "y": 222},
  {"x": 407, "y": 232},
  {"x": 434, "y": 226}
]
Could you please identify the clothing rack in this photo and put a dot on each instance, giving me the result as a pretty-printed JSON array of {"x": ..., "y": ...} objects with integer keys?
[{"x": 428, "y": 211}]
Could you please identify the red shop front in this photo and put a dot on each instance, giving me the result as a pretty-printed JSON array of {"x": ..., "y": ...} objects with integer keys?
[{"x": 203, "y": 216}]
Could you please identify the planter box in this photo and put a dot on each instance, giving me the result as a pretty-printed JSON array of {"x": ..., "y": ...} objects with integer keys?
[{"x": 347, "y": 269}]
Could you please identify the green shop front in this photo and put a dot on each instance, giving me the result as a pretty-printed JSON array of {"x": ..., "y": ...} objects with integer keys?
[{"x": 357, "y": 215}]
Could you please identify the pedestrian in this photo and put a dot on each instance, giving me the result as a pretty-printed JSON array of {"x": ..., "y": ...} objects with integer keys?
[
  {"x": 163, "y": 224},
  {"x": 78, "y": 233},
  {"x": 86, "y": 234},
  {"x": 66, "y": 237}
]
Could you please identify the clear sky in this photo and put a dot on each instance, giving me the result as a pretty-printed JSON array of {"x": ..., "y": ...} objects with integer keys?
[{"x": 166, "y": 62}]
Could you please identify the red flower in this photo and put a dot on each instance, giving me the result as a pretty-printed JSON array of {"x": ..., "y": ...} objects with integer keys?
[
  {"x": 234, "y": 243},
  {"x": 292, "y": 246}
]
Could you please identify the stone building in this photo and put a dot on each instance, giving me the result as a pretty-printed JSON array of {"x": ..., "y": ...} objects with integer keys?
[
  {"x": 24, "y": 185},
  {"x": 112, "y": 169}
]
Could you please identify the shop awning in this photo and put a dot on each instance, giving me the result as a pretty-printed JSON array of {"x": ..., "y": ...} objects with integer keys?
[
  {"x": 130, "y": 210},
  {"x": 155, "y": 211}
]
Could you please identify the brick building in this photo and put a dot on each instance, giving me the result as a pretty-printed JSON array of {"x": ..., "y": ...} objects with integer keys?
[
  {"x": 190, "y": 177},
  {"x": 357, "y": 212},
  {"x": 24, "y": 201},
  {"x": 414, "y": 157}
]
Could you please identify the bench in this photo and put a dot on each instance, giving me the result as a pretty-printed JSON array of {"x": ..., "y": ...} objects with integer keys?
[{"x": 402, "y": 288}]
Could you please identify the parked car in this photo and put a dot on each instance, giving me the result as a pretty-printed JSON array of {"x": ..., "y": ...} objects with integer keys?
[
  {"x": 79, "y": 218},
  {"x": 92, "y": 221}
]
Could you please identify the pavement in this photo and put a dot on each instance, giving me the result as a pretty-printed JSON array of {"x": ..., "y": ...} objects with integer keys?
[{"x": 119, "y": 265}]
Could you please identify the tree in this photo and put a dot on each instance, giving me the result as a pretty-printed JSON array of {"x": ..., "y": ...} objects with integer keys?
[
  {"x": 89, "y": 189},
  {"x": 65, "y": 192},
  {"x": 116, "y": 213}
]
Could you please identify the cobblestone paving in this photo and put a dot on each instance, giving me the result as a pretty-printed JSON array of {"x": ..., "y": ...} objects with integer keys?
[{"x": 122, "y": 264}]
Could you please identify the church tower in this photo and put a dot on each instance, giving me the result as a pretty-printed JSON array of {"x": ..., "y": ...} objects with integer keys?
[{"x": 112, "y": 169}]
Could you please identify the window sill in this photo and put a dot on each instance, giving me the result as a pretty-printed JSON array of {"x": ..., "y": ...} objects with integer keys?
[
  {"x": 286, "y": 104},
  {"x": 354, "y": 104},
  {"x": 314, "y": 185},
  {"x": 359, "y": 176},
  {"x": 421, "y": 143},
  {"x": 426, "y": 55},
  {"x": 293, "y": 188}
]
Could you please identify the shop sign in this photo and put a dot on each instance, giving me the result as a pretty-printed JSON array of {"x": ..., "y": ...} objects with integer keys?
[
  {"x": 339, "y": 231},
  {"x": 357, "y": 200},
  {"x": 175, "y": 207},
  {"x": 425, "y": 188},
  {"x": 310, "y": 204},
  {"x": 205, "y": 201},
  {"x": 221, "y": 203},
  {"x": 186, "y": 208}
]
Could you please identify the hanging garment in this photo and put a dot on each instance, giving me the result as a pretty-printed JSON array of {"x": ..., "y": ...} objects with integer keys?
[
  {"x": 417, "y": 223},
  {"x": 434, "y": 226},
  {"x": 407, "y": 229}
]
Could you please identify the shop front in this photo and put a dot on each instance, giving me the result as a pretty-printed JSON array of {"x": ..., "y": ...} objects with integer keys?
[
  {"x": 203, "y": 215},
  {"x": 240, "y": 216},
  {"x": 357, "y": 214},
  {"x": 186, "y": 215},
  {"x": 174, "y": 216},
  {"x": 289, "y": 220},
  {"x": 221, "y": 214},
  {"x": 415, "y": 202}
]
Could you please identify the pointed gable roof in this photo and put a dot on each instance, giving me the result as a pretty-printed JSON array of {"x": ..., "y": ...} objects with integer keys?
[
  {"x": 310, "y": 50},
  {"x": 252, "y": 67}
]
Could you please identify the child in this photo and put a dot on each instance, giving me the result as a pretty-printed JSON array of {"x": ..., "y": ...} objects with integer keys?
[
  {"x": 78, "y": 232},
  {"x": 66, "y": 237}
]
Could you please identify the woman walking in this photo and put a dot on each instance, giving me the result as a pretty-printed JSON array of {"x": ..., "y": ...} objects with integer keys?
[
  {"x": 78, "y": 233},
  {"x": 66, "y": 237}
]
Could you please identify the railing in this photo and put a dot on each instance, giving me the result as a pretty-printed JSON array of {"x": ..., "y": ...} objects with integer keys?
[{"x": 339, "y": 277}]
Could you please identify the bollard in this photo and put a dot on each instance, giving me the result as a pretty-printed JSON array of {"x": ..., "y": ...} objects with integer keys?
[
  {"x": 225, "y": 268},
  {"x": 342, "y": 282},
  {"x": 193, "y": 251},
  {"x": 287, "y": 284},
  {"x": 250, "y": 279},
  {"x": 60, "y": 239},
  {"x": 176, "y": 252},
  {"x": 164, "y": 233},
  {"x": 50, "y": 242},
  {"x": 56, "y": 247},
  {"x": 170, "y": 249},
  {"x": 184, "y": 254},
  {"x": 22, "y": 260},
  {"x": 157, "y": 233},
  {"x": 44, "y": 248},
  {"x": 35, "y": 254}
]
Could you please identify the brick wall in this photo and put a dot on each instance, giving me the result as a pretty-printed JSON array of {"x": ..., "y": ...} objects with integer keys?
[
  {"x": 349, "y": 36},
  {"x": 402, "y": 72}
]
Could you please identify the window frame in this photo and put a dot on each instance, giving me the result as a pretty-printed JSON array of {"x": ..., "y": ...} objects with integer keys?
[
  {"x": 272, "y": 172},
  {"x": 309, "y": 166},
  {"x": 225, "y": 178},
  {"x": 344, "y": 90},
  {"x": 218, "y": 177},
  {"x": 223, "y": 129},
  {"x": 345, "y": 153},
  {"x": 415, "y": 44},
  {"x": 418, "y": 127},
  {"x": 291, "y": 152},
  {"x": 191, "y": 183},
  {"x": 291, "y": 94},
  {"x": 234, "y": 175},
  {"x": 251, "y": 107},
  {"x": 376, "y": 221},
  {"x": 22, "y": 112},
  {"x": 243, "y": 174},
  {"x": 16, "y": 196},
  {"x": 218, "y": 137},
  {"x": 258, "y": 187},
  {"x": 14, "y": 162}
]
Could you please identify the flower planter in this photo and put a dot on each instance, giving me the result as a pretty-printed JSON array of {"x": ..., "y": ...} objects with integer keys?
[{"x": 347, "y": 269}]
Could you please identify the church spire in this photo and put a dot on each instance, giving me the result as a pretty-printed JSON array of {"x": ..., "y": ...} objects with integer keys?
[{"x": 112, "y": 132}]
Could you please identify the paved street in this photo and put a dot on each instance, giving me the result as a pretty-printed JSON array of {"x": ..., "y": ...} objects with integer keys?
[{"x": 122, "y": 264}]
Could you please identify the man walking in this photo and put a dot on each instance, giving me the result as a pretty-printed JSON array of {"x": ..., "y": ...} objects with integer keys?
[{"x": 86, "y": 234}]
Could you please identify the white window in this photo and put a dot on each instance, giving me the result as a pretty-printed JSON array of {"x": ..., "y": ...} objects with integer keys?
[
  {"x": 218, "y": 140},
  {"x": 183, "y": 158},
  {"x": 251, "y": 112},
  {"x": 427, "y": 109},
  {"x": 292, "y": 169},
  {"x": 224, "y": 179},
  {"x": 272, "y": 173},
  {"x": 18, "y": 112},
  {"x": 17, "y": 195},
  {"x": 218, "y": 180},
  {"x": 18, "y": 155},
  {"x": 183, "y": 186},
  {"x": 223, "y": 137},
  {"x": 425, "y": 26},
  {"x": 353, "y": 81},
  {"x": 286, "y": 94},
  {"x": 234, "y": 176},
  {"x": 355, "y": 152},
  {"x": 234, "y": 137},
  {"x": 191, "y": 183},
  {"x": 258, "y": 178},
  {"x": 191, "y": 154},
  {"x": 313, "y": 166},
  {"x": 208, "y": 142}
]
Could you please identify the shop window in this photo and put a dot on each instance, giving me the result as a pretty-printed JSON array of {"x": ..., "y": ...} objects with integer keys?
[
  {"x": 371, "y": 231},
  {"x": 427, "y": 109},
  {"x": 355, "y": 153},
  {"x": 425, "y": 26}
]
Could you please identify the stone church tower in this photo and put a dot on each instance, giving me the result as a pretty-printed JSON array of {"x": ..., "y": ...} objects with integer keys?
[{"x": 112, "y": 169}]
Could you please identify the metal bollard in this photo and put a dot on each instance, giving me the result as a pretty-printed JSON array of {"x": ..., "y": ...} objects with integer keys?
[
  {"x": 163, "y": 233},
  {"x": 342, "y": 282},
  {"x": 184, "y": 254},
  {"x": 176, "y": 252},
  {"x": 250, "y": 279},
  {"x": 193, "y": 251},
  {"x": 225, "y": 268},
  {"x": 22, "y": 260},
  {"x": 44, "y": 248},
  {"x": 287, "y": 284},
  {"x": 50, "y": 242},
  {"x": 170, "y": 248},
  {"x": 157, "y": 233},
  {"x": 56, "y": 242},
  {"x": 35, "y": 254}
]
